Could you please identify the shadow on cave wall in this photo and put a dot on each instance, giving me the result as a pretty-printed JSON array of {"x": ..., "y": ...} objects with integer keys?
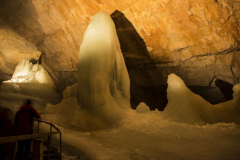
[
  {"x": 144, "y": 75},
  {"x": 144, "y": 80}
]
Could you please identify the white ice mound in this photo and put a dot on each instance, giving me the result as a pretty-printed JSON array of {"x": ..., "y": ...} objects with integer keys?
[
  {"x": 142, "y": 108},
  {"x": 102, "y": 74},
  {"x": 185, "y": 106}
]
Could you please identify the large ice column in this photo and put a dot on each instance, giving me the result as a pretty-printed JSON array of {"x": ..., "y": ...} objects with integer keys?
[
  {"x": 102, "y": 73},
  {"x": 185, "y": 106}
]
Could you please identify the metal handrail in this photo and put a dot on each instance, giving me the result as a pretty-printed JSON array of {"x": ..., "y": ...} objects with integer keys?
[
  {"x": 37, "y": 135},
  {"x": 49, "y": 136},
  {"x": 24, "y": 137},
  {"x": 47, "y": 123}
]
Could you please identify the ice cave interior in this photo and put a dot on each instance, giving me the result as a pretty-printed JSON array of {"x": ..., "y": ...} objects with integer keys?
[{"x": 95, "y": 114}]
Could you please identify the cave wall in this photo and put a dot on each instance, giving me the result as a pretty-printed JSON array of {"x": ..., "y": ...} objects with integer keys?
[
  {"x": 13, "y": 49},
  {"x": 196, "y": 39}
]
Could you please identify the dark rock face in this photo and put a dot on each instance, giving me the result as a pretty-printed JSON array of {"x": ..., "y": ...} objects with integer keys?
[
  {"x": 136, "y": 57},
  {"x": 225, "y": 88}
]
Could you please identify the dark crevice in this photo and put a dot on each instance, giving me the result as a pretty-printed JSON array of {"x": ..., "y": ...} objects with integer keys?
[
  {"x": 225, "y": 88},
  {"x": 210, "y": 84}
]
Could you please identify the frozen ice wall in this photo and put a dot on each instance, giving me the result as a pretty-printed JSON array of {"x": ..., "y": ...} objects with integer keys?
[
  {"x": 29, "y": 81},
  {"x": 185, "y": 106}
]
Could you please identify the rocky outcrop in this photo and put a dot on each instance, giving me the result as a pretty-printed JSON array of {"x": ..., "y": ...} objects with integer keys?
[{"x": 196, "y": 39}]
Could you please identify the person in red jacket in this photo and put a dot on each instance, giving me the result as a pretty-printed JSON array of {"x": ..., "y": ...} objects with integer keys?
[
  {"x": 6, "y": 129},
  {"x": 24, "y": 125}
]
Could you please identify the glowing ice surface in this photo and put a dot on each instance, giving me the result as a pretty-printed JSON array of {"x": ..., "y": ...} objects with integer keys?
[
  {"x": 29, "y": 81},
  {"x": 103, "y": 81},
  {"x": 26, "y": 72},
  {"x": 102, "y": 72}
]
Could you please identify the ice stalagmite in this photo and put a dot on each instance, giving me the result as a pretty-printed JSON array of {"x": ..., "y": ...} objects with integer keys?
[
  {"x": 103, "y": 89},
  {"x": 102, "y": 74}
]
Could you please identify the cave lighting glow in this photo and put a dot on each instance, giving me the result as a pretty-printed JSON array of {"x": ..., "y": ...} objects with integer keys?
[
  {"x": 26, "y": 72},
  {"x": 29, "y": 81},
  {"x": 96, "y": 119}
]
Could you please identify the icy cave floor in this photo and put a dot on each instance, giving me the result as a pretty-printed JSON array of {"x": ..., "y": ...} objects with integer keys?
[
  {"x": 146, "y": 136},
  {"x": 170, "y": 141}
]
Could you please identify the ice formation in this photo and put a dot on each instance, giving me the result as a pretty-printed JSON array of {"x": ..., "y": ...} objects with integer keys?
[
  {"x": 29, "y": 81},
  {"x": 102, "y": 75},
  {"x": 185, "y": 106},
  {"x": 26, "y": 72},
  {"x": 142, "y": 108},
  {"x": 102, "y": 72},
  {"x": 103, "y": 80}
]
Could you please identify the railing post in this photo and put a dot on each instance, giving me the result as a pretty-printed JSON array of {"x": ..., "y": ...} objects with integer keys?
[
  {"x": 48, "y": 152},
  {"x": 60, "y": 145},
  {"x": 38, "y": 127},
  {"x": 50, "y": 135}
]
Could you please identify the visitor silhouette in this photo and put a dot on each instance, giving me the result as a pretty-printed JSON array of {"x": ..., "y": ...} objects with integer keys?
[
  {"x": 6, "y": 129},
  {"x": 23, "y": 124}
]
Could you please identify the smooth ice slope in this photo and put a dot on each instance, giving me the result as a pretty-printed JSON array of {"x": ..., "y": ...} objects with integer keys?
[{"x": 185, "y": 106}]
